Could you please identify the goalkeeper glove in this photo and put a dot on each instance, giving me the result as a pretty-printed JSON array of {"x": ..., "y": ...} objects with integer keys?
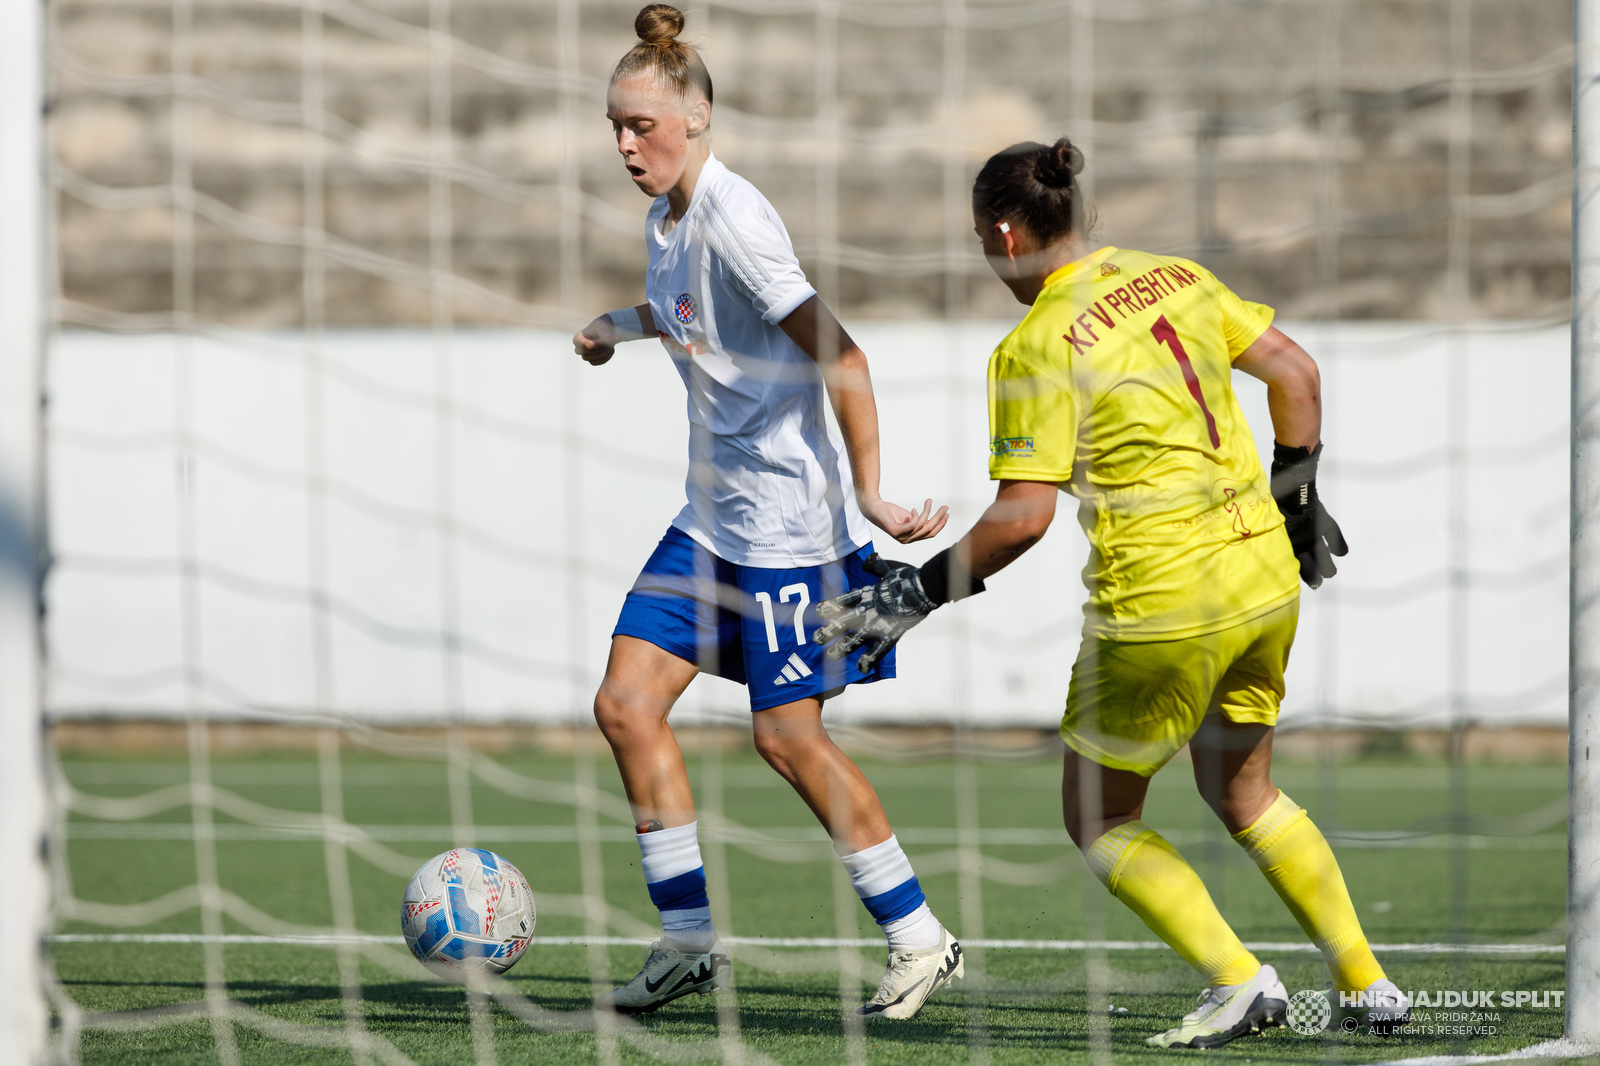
[
  {"x": 885, "y": 612},
  {"x": 1313, "y": 534}
]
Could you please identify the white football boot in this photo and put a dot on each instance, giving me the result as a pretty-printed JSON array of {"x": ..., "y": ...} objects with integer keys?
[
  {"x": 668, "y": 974},
  {"x": 912, "y": 976},
  {"x": 1384, "y": 1008},
  {"x": 1223, "y": 1014}
]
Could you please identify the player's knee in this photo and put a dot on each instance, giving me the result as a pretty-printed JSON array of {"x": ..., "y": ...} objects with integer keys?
[
  {"x": 776, "y": 749},
  {"x": 1239, "y": 805},
  {"x": 618, "y": 717},
  {"x": 607, "y": 715},
  {"x": 785, "y": 752}
]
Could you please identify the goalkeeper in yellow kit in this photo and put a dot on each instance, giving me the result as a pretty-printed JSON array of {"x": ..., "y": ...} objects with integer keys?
[{"x": 1116, "y": 387}]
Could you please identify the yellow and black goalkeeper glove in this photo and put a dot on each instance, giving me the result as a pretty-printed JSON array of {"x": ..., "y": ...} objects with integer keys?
[
  {"x": 887, "y": 611},
  {"x": 1313, "y": 534}
]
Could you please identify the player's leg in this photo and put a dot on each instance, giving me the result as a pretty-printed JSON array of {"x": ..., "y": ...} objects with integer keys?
[
  {"x": 788, "y": 677},
  {"x": 923, "y": 956},
  {"x": 1233, "y": 771},
  {"x": 1143, "y": 870},
  {"x": 1129, "y": 709},
  {"x": 793, "y": 741},
  {"x": 641, "y": 684},
  {"x": 670, "y": 628}
]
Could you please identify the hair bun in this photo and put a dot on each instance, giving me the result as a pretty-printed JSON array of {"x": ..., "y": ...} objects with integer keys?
[
  {"x": 1059, "y": 164},
  {"x": 658, "y": 24}
]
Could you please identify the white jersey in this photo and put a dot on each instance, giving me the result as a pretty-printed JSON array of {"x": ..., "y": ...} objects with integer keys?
[{"x": 769, "y": 480}]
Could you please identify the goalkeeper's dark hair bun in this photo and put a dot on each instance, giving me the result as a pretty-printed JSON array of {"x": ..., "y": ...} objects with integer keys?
[
  {"x": 1058, "y": 164},
  {"x": 1034, "y": 186},
  {"x": 674, "y": 62}
]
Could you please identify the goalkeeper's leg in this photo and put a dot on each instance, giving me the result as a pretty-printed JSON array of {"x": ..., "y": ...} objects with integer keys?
[
  {"x": 1232, "y": 765},
  {"x": 1146, "y": 872}
]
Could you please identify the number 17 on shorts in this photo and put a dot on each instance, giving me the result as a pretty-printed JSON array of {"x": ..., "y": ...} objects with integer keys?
[{"x": 781, "y": 663}]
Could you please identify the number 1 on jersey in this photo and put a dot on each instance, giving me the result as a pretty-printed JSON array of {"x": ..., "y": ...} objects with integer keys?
[{"x": 1165, "y": 334}]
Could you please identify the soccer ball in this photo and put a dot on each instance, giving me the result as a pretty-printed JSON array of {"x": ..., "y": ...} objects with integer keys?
[{"x": 467, "y": 911}]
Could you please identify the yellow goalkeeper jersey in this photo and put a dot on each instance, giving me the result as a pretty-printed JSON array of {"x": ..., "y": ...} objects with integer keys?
[{"x": 1118, "y": 385}]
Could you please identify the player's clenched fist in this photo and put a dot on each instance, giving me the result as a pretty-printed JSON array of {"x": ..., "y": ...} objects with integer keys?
[{"x": 596, "y": 342}]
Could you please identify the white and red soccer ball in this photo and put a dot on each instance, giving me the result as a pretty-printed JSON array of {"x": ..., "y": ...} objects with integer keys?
[{"x": 467, "y": 911}]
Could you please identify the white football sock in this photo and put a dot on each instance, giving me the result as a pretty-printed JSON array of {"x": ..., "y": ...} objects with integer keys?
[{"x": 917, "y": 931}]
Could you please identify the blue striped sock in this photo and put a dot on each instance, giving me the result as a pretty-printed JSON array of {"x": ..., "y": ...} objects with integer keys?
[
  {"x": 676, "y": 879},
  {"x": 883, "y": 878}
]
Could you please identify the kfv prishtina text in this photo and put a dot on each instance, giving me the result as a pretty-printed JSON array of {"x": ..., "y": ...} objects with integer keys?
[{"x": 1469, "y": 998}]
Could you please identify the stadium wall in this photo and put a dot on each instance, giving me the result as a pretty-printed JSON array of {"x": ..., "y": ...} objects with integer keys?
[{"x": 1372, "y": 651}]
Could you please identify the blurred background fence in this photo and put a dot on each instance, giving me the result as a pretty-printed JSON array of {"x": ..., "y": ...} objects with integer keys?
[{"x": 317, "y": 443}]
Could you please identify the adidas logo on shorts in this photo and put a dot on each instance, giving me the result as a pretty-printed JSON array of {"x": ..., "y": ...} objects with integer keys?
[{"x": 793, "y": 670}]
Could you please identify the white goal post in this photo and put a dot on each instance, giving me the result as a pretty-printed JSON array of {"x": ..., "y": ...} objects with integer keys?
[
  {"x": 1583, "y": 782},
  {"x": 23, "y": 888}
]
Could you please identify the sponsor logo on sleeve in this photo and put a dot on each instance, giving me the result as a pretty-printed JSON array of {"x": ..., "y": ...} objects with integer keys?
[{"x": 1006, "y": 447}]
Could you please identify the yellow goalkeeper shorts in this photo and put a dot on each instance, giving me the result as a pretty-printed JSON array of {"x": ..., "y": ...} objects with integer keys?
[{"x": 1132, "y": 706}]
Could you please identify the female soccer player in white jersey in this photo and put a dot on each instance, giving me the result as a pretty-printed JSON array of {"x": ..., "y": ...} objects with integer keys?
[
  {"x": 776, "y": 522},
  {"x": 1117, "y": 387}
]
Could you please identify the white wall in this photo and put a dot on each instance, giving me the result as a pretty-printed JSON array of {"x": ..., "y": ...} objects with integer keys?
[{"x": 1372, "y": 645}]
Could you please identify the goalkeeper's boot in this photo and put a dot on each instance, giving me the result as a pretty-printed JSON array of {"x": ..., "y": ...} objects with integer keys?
[
  {"x": 1231, "y": 1011},
  {"x": 668, "y": 974},
  {"x": 1383, "y": 1008},
  {"x": 912, "y": 976}
]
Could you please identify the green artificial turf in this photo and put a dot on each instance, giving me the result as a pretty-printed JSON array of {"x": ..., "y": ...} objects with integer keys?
[{"x": 1019, "y": 1005}]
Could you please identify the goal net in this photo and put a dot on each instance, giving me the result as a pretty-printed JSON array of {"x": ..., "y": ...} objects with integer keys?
[{"x": 338, "y": 525}]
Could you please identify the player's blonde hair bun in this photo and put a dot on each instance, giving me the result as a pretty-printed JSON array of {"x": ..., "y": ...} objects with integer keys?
[
  {"x": 658, "y": 25},
  {"x": 1057, "y": 165},
  {"x": 674, "y": 62}
]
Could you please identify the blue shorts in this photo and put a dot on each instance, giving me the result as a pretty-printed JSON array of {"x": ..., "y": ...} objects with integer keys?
[{"x": 746, "y": 623}]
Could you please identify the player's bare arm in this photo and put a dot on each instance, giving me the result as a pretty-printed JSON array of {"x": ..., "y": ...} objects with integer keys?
[
  {"x": 1017, "y": 520},
  {"x": 849, "y": 383},
  {"x": 1294, "y": 387},
  {"x": 1294, "y": 398}
]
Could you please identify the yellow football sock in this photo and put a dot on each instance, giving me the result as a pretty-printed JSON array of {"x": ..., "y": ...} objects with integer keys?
[
  {"x": 1144, "y": 871},
  {"x": 1295, "y": 856}
]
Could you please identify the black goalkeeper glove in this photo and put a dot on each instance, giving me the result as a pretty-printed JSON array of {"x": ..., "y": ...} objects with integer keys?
[
  {"x": 887, "y": 611},
  {"x": 1313, "y": 534}
]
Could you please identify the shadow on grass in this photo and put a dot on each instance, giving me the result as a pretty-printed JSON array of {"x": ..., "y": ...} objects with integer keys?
[{"x": 774, "y": 1016}]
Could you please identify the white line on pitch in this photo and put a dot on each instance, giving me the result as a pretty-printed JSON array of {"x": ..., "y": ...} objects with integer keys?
[
  {"x": 566, "y": 834},
  {"x": 1550, "y": 1049},
  {"x": 796, "y": 942}
]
